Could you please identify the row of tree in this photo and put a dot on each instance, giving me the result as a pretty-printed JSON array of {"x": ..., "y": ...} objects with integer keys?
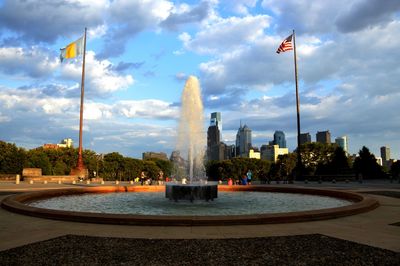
[
  {"x": 111, "y": 166},
  {"x": 317, "y": 160}
]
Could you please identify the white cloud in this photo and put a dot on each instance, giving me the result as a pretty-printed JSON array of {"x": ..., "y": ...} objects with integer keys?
[
  {"x": 95, "y": 111},
  {"x": 29, "y": 18},
  {"x": 34, "y": 62},
  {"x": 100, "y": 78},
  {"x": 223, "y": 35},
  {"x": 147, "y": 109},
  {"x": 4, "y": 118}
]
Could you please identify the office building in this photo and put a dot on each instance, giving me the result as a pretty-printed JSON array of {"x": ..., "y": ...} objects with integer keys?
[
  {"x": 343, "y": 142},
  {"x": 279, "y": 139},
  {"x": 215, "y": 148},
  {"x": 305, "y": 138},
  {"x": 243, "y": 141},
  {"x": 271, "y": 152},
  {"x": 230, "y": 151},
  {"x": 154, "y": 155},
  {"x": 216, "y": 120},
  {"x": 385, "y": 153},
  {"x": 254, "y": 153},
  {"x": 324, "y": 137},
  {"x": 65, "y": 143}
]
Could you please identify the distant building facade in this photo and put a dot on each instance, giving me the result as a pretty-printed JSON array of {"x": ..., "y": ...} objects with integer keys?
[
  {"x": 323, "y": 137},
  {"x": 243, "y": 141},
  {"x": 156, "y": 155},
  {"x": 271, "y": 152},
  {"x": 385, "y": 153},
  {"x": 177, "y": 159},
  {"x": 215, "y": 148},
  {"x": 254, "y": 154},
  {"x": 279, "y": 139},
  {"x": 216, "y": 120},
  {"x": 305, "y": 138},
  {"x": 230, "y": 151},
  {"x": 65, "y": 143},
  {"x": 343, "y": 143}
]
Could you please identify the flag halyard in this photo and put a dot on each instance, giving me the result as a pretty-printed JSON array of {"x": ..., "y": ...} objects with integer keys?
[{"x": 286, "y": 45}]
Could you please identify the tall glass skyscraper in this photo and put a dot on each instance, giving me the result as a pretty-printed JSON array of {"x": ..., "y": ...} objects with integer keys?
[
  {"x": 279, "y": 139},
  {"x": 385, "y": 153},
  {"x": 216, "y": 120},
  {"x": 243, "y": 141},
  {"x": 343, "y": 142}
]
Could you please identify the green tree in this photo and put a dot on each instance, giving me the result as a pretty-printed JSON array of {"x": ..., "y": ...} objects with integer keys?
[
  {"x": 60, "y": 168},
  {"x": 366, "y": 165},
  {"x": 151, "y": 169},
  {"x": 283, "y": 168},
  {"x": 112, "y": 166},
  {"x": 11, "y": 158},
  {"x": 316, "y": 156},
  {"x": 164, "y": 165},
  {"x": 132, "y": 168},
  {"x": 340, "y": 163},
  {"x": 395, "y": 169},
  {"x": 90, "y": 160},
  {"x": 37, "y": 158}
]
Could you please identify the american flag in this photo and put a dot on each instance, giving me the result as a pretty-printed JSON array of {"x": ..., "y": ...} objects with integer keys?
[{"x": 286, "y": 45}]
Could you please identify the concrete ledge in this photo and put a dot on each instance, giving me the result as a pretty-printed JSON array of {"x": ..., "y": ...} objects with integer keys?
[
  {"x": 17, "y": 203},
  {"x": 51, "y": 178}
]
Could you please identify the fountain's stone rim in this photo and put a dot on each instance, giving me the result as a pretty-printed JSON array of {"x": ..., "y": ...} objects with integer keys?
[{"x": 17, "y": 203}]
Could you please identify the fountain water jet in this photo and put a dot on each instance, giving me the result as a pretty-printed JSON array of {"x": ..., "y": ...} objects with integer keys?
[
  {"x": 191, "y": 143},
  {"x": 191, "y": 137}
]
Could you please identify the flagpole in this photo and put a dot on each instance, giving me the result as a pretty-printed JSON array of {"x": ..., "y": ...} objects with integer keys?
[
  {"x": 80, "y": 164},
  {"x": 299, "y": 164}
]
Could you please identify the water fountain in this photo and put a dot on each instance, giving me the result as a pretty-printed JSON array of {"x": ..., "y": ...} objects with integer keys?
[
  {"x": 250, "y": 204},
  {"x": 191, "y": 143}
]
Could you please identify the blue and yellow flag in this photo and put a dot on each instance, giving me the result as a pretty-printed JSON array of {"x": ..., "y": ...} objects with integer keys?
[{"x": 72, "y": 50}]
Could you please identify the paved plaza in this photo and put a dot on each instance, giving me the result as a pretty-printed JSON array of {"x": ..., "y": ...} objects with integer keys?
[{"x": 378, "y": 228}]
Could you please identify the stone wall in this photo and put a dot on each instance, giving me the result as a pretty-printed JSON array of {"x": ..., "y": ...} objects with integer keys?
[
  {"x": 51, "y": 178},
  {"x": 32, "y": 172},
  {"x": 7, "y": 177}
]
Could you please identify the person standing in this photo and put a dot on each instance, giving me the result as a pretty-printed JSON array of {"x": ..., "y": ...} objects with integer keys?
[{"x": 249, "y": 175}]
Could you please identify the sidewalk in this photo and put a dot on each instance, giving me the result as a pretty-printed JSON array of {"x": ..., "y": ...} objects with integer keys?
[{"x": 372, "y": 228}]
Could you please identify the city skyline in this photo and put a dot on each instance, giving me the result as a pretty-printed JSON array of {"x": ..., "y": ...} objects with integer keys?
[{"x": 139, "y": 53}]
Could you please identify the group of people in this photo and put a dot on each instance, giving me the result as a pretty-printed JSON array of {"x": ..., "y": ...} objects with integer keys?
[
  {"x": 245, "y": 180},
  {"x": 144, "y": 180}
]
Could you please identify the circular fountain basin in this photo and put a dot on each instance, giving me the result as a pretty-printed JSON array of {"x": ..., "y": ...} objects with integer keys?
[{"x": 352, "y": 203}]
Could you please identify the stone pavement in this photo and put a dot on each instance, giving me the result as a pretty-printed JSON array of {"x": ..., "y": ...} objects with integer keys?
[{"x": 372, "y": 228}]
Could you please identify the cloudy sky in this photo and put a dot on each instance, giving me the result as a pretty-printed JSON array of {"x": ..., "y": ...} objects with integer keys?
[{"x": 139, "y": 53}]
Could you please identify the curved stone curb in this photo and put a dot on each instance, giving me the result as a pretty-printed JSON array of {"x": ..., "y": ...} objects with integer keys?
[{"x": 17, "y": 203}]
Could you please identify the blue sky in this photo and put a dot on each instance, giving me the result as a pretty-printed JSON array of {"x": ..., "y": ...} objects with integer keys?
[{"x": 139, "y": 54}]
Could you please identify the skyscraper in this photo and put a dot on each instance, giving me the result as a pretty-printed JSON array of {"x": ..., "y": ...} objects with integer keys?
[
  {"x": 279, "y": 139},
  {"x": 216, "y": 120},
  {"x": 243, "y": 141},
  {"x": 324, "y": 137},
  {"x": 215, "y": 148},
  {"x": 343, "y": 143},
  {"x": 305, "y": 138},
  {"x": 385, "y": 153}
]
